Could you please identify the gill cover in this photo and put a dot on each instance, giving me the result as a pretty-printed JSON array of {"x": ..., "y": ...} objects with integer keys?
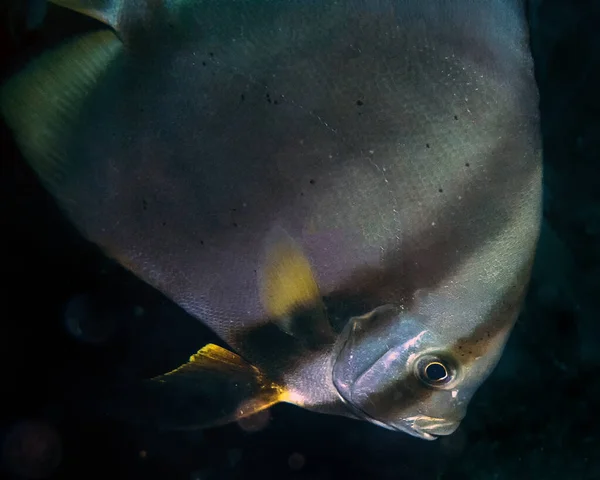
[{"x": 393, "y": 371}]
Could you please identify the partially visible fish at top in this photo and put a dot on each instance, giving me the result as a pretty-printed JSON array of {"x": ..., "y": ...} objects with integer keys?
[{"x": 347, "y": 192}]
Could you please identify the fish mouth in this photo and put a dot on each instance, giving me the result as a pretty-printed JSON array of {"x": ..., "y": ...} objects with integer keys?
[
  {"x": 431, "y": 428},
  {"x": 421, "y": 434},
  {"x": 423, "y": 427},
  {"x": 415, "y": 432}
]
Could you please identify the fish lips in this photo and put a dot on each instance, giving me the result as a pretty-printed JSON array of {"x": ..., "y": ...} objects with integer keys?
[
  {"x": 421, "y": 426},
  {"x": 427, "y": 428}
]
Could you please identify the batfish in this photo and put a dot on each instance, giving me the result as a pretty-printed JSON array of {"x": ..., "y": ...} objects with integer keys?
[{"x": 347, "y": 192}]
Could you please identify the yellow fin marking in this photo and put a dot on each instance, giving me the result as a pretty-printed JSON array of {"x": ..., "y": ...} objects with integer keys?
[
  {"x": 212, "y": 357},
  {"x": 287, "y": 281},
  {"x": 242, "y": 388}
]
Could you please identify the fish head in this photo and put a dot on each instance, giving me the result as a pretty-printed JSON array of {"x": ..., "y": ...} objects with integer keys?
[{"x": 399, "y": 370}]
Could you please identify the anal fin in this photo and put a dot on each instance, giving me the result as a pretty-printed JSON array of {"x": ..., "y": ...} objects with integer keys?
[{"x": 214, "y": 388}]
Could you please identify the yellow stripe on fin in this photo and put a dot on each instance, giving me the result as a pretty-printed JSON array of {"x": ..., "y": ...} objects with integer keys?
[
  {"x": 41, "y": 104},
  {"x": 289, "y": 292},
  {"x": 215, "y": 387},
  {"x": 286, "y": 279},
  {"x": 214, "y": 357}
]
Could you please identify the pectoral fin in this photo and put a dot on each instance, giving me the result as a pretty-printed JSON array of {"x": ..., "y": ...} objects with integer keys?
[
  {"x": 214, "y": 388},
  {"x": 289, "y": 291}
]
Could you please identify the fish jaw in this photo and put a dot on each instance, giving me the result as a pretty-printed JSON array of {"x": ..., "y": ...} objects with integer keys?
[
  {"x": 423, "y": 427},
  {"x": 431, "y": 427}
]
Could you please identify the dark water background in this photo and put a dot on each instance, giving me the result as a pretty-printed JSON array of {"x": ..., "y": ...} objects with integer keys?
[{"x": 537, "y": 417}]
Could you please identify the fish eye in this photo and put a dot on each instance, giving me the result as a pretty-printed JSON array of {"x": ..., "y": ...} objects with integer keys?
[{"x": 435, "y": 371}]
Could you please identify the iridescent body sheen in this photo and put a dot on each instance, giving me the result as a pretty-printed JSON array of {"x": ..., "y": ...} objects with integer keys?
[{"x": 394, "y": 141}]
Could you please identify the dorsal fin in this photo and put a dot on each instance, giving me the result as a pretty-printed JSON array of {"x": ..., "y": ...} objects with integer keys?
[
  {"x": 106, "y": 11},
  {"x": 41, "y": 104}
]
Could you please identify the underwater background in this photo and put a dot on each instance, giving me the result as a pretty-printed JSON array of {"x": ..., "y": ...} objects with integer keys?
[{"x": 72, "y": 320}]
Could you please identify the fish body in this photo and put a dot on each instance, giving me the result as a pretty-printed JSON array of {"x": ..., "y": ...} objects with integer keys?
[{"x": 347, "y": 192}]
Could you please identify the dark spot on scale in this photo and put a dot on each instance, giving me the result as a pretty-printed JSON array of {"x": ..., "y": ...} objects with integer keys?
[
  {"x": 312, "y": 181},
  {"x": 268, "y": 97},
  {"x": 427, "y": 145},
  {"x": 211, "y": 54},
  {"x": 467, "y": 164},
  {"x": 164, "y": 224},
  {"x": 235, "y": 224},
  {"x": 144, "y": 204},
  {"x": 242, "y": 97},
  {"x": 201, "y": 242},
  {"x": 275, "y": 102},
  {"x": 455, "y": 117},
  {"x": 301, "y": 194},
  {"x": 441, "y": 190},
  {"x": 360, "y": 103},
  {"x": 234, "y": 209},
  {"x": 204, "y": 64}
]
